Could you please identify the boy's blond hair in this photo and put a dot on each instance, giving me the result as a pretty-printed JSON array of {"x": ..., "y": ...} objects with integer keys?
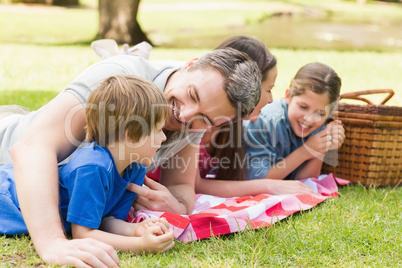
[{"x": 124, "y": 102}]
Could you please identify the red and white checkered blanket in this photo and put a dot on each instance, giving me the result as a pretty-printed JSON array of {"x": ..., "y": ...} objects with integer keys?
[{"x": 214, "y": 215}]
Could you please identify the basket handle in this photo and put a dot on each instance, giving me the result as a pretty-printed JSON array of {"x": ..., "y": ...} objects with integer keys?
[{"x": 356, "y": 95}]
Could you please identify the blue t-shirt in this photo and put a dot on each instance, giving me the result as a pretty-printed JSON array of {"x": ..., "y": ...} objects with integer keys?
[
  {"x": 269, "y": 140},
  {"x": 90, "y": 189}
]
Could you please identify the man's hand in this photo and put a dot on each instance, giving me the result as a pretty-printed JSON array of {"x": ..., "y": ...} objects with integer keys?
[
  {"x": 86, "y": 252},
  {"x": 156, "y": 197}
]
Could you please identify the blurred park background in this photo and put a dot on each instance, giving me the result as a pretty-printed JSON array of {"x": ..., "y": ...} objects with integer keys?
[{"x": 44, "y": 46}]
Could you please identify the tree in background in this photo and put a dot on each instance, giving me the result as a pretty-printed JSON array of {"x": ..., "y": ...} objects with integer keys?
[{"x": 118, "y": 21}]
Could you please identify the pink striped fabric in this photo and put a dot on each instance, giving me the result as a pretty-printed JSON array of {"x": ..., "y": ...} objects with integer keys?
[{"x": 213, "y": 216}]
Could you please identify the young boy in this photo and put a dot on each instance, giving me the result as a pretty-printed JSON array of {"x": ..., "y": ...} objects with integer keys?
[{"x": 124, "y": 118}]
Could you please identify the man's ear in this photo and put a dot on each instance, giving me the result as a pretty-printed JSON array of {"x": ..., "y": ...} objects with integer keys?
[
  {"x": 190, "y": 63},
  {"x": 287, "y": 96}
]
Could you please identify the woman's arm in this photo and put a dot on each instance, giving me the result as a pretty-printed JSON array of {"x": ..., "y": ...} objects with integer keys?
[{"x": 227, "y": 188}]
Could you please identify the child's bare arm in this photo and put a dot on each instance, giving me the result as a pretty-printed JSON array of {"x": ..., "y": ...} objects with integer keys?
[
  {"x": 313, "y": 151},
  {"x": 150, "y": 242},
  {"x": 115, "y": 226}
]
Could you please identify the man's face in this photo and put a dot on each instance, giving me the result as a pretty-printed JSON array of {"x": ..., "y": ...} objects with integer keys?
[{"x": 198, "y": 100}]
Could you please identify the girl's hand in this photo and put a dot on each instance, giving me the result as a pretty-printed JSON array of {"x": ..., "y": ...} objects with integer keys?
[
  {"x": 337, "y": 134},
  {"x": 318, "y": 144}
]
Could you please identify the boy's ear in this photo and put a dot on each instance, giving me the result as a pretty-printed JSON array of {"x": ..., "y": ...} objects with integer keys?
[
  {"x": 190, "y": 63},
  {"x": 287, "y": 96},
  {"x": 127, "y": 137}
]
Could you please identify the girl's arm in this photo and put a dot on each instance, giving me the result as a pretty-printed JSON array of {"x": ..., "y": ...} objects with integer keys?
[
  {"x": 150, "y": 242},
  {"x": 281, "y": 169},
  {"x": 313, "y": 151},
  {"x": 311, "y": 169}
]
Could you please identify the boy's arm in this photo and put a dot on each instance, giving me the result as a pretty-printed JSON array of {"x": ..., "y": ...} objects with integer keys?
[
  {"x": 115, "y": 226},
  {"x": 120, "y": 227},
  {"x": 35, "y": 158},
  {"x": 150, "y": 242}
]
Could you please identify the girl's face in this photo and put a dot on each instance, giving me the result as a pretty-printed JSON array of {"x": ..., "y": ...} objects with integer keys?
[
  {"x": 307, "y": 112},
  {"x": 266, "y": 95}
]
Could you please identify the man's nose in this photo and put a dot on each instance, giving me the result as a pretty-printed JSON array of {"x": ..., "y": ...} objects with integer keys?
[{"x": 187, "y": 114}]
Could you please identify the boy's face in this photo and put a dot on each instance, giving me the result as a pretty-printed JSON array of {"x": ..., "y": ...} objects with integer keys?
[
  {"x": 198, "y": 100},
  {"x": 307, "y": 112},
  {"x": 146, "y": 148}
]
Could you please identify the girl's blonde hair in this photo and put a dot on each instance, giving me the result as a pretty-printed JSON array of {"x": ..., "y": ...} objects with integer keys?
[{"x": 124, "y": 102}]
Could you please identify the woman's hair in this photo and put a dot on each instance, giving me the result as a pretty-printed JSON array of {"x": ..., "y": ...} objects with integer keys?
[
  {"x": 233, "y": 150},
  {"x": 317, "y": 77},
  {"x": 124, "y": 102},
  {"x": 255, "y": 49}
]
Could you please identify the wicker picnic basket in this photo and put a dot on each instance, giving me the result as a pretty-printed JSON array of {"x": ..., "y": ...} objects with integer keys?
[{"x": 372, "y": 151}]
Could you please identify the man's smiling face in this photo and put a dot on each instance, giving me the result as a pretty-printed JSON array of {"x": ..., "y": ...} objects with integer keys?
[{"x": 198, "y": 100}]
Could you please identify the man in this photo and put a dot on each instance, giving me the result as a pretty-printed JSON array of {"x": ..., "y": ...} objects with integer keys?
[{"x": 204, "y": 92}]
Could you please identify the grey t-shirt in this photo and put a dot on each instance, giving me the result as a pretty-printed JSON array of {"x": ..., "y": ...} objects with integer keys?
[{"x": 13, "y": 126}]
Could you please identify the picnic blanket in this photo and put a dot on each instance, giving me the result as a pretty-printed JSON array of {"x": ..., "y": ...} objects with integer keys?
[{"x": 213, "y": 215}]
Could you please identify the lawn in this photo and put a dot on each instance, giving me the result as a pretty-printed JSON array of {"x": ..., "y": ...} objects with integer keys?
[{"x": 42, "y": 51}]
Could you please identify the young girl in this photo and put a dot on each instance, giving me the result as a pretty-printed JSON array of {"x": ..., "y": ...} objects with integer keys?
[{"x": 290, "y": 138}]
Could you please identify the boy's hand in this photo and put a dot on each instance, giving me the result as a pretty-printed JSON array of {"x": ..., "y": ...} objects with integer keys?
[
  {"x": 337, "y": 133},
  {"x": 147, "y": 223},
  {"x": 153, "y": 242}
]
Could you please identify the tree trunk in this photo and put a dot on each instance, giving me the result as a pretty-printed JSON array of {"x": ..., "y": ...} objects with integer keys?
[{"x": 118, "y": 21}]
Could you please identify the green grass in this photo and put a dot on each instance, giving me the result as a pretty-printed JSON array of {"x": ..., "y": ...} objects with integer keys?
[
  {"x": 40, "y": 53},
  {"x": 360, "y": 228}
]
